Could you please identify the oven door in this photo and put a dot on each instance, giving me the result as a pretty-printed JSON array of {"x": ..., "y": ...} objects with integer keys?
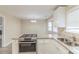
[{"x": 27, "y": 47}]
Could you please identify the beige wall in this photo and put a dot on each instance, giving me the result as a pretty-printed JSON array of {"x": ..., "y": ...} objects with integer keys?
[
  {"x": 39, "y": 28},
  {"x": 12, "y": 28}
]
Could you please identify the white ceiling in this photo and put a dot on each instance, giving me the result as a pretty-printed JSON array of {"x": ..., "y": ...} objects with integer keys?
[{"x": 29, "y": 11}]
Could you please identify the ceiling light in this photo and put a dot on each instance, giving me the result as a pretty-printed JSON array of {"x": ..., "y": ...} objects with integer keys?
[{"x": 33, "y": 21}]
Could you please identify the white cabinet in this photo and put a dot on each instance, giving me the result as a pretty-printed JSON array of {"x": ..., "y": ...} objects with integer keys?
[
  {"x": 49, "y": 46},
  {"x": 59, "y": 16}
]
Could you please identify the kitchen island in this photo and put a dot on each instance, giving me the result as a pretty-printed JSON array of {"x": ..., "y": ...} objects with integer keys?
[{"x": 48, "y": 46}]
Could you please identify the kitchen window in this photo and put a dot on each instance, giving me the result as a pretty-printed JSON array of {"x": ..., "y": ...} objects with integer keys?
[{"x": 50, "y": 26}]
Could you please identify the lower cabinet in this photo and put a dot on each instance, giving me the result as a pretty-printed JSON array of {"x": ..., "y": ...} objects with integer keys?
[{"x": 49, "y": 46}]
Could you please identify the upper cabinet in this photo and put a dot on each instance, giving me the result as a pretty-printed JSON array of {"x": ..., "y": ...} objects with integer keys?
[{"x": 59, "y": 17}]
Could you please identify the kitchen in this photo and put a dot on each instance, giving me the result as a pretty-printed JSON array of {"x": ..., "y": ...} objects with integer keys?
[{"x": 51, "y": 29}]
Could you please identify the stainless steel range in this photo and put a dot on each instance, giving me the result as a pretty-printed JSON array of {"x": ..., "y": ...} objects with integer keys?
[{"x": 27, "y": 43}]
